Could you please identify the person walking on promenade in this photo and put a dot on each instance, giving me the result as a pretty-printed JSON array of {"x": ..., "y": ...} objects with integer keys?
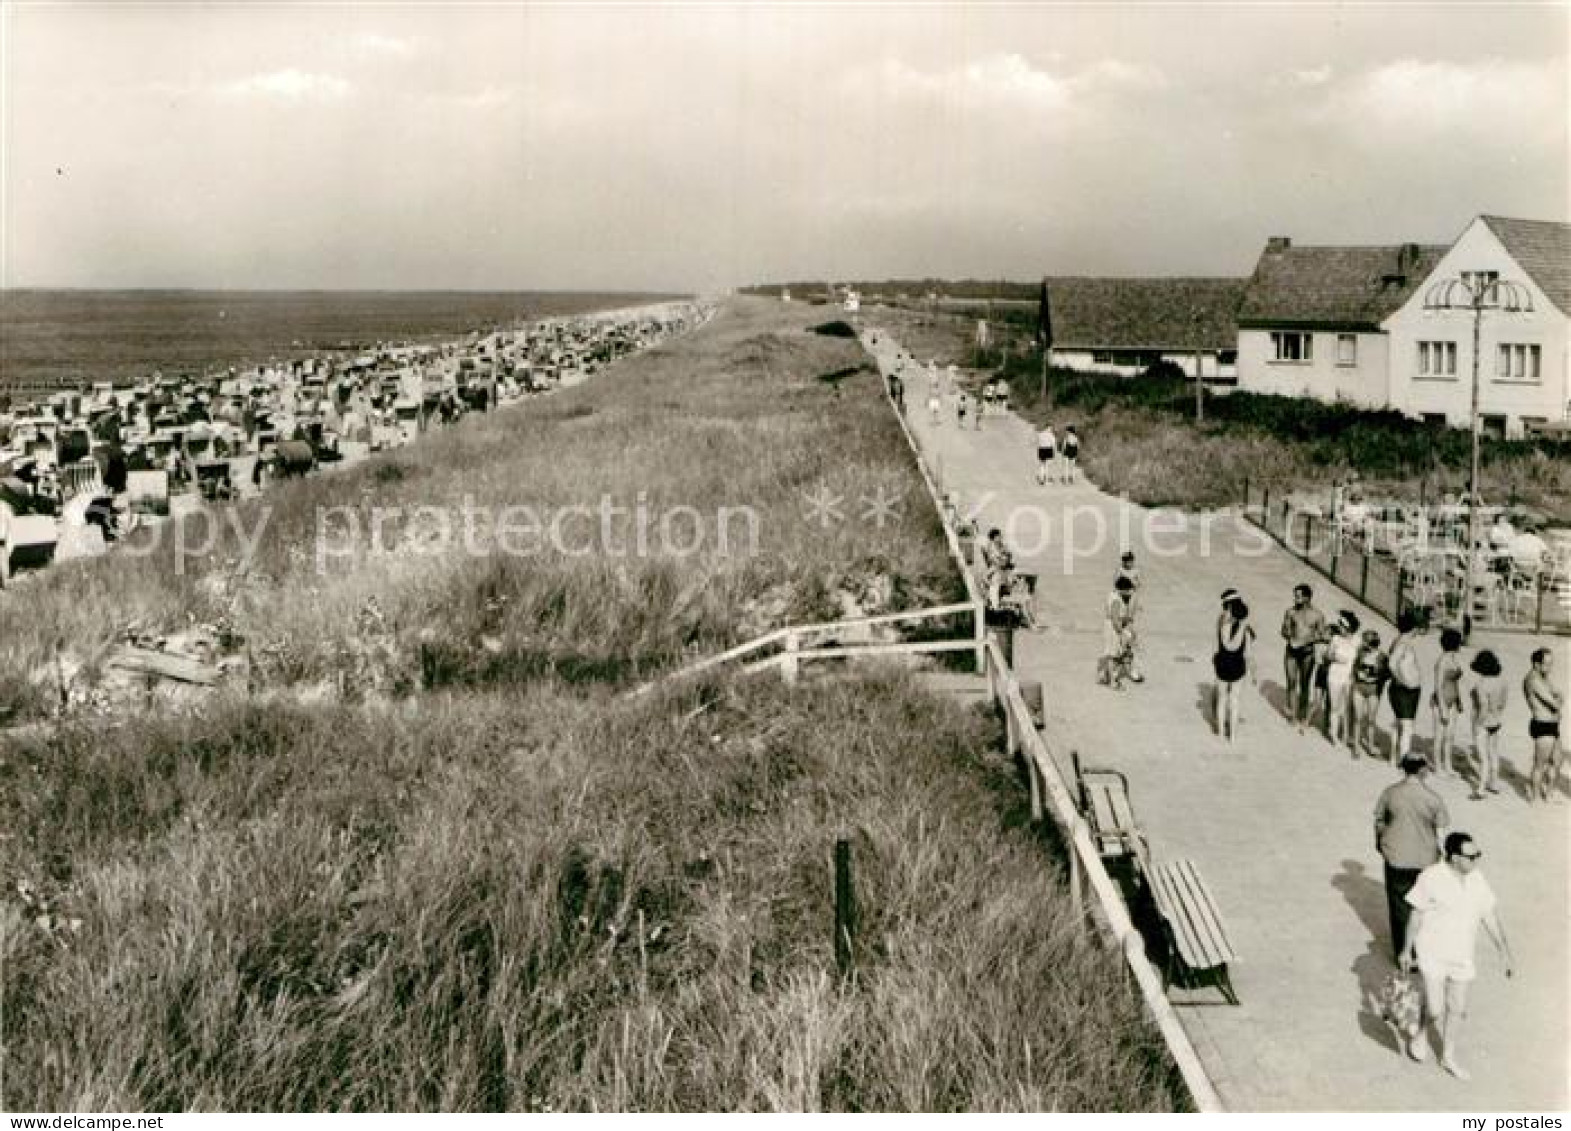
[
  {"x": 1341, "y": 653},
  {"x": 1118, "y": 637},
  {"x": 1488, "y": 694},
  {"x": 962, "y": 403},
  {"x": 1046, "y": 453},
  {"x": 1303, "y": 627},
  {"x": 1231, "y": 661},
  {"x": 1410, "y": 820},
  {"x": 1446, "y": 699},
  {"x": 1544, "y": 702},
  {"x": 935, "y": 403},
  {"x": 1071, "y": 453},
  {"x": 1450, "y": 901},
  {"x": 1406, "y": 687},
  {"x": 1369, "y": 678}
]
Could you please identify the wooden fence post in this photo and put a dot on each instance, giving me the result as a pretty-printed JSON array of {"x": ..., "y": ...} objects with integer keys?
[
  {"x": 979, "y": 615},
  {"x": 1033, "y": 774},
  {"x": 845, "y": 910},
  {"x": 788, "y": 666},
  {"x": 1076, "y": 897},
  {"x": 1363, "y": 577}
]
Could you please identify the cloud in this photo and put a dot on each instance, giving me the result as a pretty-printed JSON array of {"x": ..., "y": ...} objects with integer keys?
[
  {"x": 1309, "y": 76},
  {"x": 290, "y": 85},
  {"x": 486, "y": 98},
  {"x": 1442, "y": 97},
  {"x": 994, "y": 81},
  {"x": 374, "y": 45},
  {"x": 1007, "y": 81}
]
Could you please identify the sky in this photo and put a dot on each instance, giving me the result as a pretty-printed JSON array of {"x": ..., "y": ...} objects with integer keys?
[{"x": 703, "y": 146}]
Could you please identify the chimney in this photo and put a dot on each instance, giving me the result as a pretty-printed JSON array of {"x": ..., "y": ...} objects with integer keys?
[
  {"x": 1407, "y": 258},
  {"x": 1278, "y": 243}
]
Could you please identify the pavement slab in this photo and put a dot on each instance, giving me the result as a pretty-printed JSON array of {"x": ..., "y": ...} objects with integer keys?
[{"x": 1279, "y": 822}]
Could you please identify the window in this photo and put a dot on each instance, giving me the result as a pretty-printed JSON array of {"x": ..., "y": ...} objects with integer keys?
[
  {"x": 1493, "y": 425},
  {"x": 1517, "y": 363},
  {"x": 1437, "y": 360},
  {"x": 1292, "y": 347},
  {"x": 1435, "y": 419},
  {"x": 1347, "y": 349}
]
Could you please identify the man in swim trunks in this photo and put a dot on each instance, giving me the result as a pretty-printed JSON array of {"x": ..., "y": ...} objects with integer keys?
[
  {"x": 1303, "y": 626},
  {"x": 1544, "y": 702}
]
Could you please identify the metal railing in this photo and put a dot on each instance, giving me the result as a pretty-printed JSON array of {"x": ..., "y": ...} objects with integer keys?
[{"x": 1393, "y": 569}]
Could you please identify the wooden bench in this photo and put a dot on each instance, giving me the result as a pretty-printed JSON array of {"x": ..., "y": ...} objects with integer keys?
[
  {"x": 1104, "y": 802},
  {"x": 1198, "y": 950}
]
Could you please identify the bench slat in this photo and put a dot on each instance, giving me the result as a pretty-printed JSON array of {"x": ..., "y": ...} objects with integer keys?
[
  {"x": 1186, "y": 902},
  {"x": 1102, "y": 808},
  {"x": 1208, "y": 916}
]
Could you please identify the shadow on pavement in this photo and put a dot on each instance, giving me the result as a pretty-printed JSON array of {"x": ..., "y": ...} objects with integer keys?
[{"x": 1366, "y": 895}]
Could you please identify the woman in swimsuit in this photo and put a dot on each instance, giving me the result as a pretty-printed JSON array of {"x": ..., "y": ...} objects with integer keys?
[
  {"x": 1231, "y": 661},
  {"x": 1488, "y": 694},
  {"x": 1447, "y": 700},
  {"x": 1341, "y": 651}
]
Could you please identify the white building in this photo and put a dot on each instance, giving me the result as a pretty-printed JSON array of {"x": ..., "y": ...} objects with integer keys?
[
  {"x": 1349, "y": 324},
  {"x": 1522, "y": 362}
]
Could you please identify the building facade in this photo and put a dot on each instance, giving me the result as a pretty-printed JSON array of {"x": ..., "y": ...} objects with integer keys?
[
  {"x": 1522, "y": 357},
  {"x": 1351, "y": 324}
]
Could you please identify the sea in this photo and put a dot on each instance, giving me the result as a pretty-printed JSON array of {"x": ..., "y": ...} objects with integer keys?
[{"x": 65, "y": 338}]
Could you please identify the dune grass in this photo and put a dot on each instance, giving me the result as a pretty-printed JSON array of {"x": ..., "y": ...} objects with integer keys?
[
  {"x": 527, "y": 901},
  {"x": 506, "y": 887}
]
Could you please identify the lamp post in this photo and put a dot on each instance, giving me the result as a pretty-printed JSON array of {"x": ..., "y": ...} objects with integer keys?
[{"x": 1476, "y": 291}]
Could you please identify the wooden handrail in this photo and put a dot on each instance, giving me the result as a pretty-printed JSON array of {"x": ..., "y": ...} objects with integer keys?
[
  {"x": 779, "y": 635},
  {"x": 1085, "y": 855}
]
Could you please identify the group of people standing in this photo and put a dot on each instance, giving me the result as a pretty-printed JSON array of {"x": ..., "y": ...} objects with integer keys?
[
  {"x": 1333, "y": 670},
  {"x": 1056, "y": 461},
  {"x": 993, "y": 400}
]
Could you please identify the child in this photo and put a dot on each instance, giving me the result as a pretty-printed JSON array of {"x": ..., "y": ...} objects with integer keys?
[{"x": 1369, "y": 677}]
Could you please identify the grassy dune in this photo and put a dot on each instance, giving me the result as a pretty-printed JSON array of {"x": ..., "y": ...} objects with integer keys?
[
  {"x": 739, "y": 417},
  {"x": 505, "y": 888}
]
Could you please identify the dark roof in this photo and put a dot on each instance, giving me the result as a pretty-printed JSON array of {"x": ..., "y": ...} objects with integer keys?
[
  {"x": 1341, "y": 287},
  {"x": 1543, "y": 248},
  {"x": 1175, "y": 314}
]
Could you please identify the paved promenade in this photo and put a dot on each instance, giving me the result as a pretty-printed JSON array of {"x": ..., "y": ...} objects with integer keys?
[{"x": 1279, "y": 822}]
